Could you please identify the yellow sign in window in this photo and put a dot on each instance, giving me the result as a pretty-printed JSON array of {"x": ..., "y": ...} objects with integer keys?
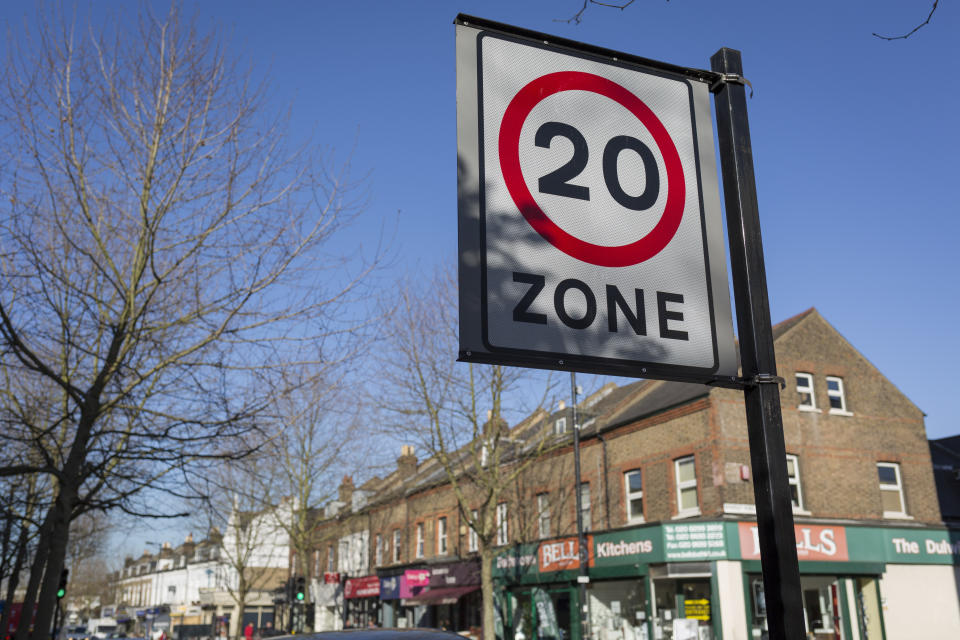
[{"x": 697, "y": 609}]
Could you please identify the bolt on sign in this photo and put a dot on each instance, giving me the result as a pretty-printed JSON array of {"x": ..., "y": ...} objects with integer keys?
[{"x": 589, "y": 211}]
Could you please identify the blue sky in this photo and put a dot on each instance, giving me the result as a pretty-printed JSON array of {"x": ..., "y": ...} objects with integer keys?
[{"x": 854, "y": 139}]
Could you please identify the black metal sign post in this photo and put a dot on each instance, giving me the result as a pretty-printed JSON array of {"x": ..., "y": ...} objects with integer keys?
[{"x": 781, "y": 573}]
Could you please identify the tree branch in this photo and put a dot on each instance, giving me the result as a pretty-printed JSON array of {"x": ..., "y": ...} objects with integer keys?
[{"x": 915, "y": 29}]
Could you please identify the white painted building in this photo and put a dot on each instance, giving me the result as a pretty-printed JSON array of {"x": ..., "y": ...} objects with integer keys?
[{"x": 196, "y": 583}]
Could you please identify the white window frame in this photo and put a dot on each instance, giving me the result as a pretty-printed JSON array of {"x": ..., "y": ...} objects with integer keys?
[
  {"x": 331, "y": 559},
  {"x": 813, "y": 396},
  {"x": 503, "y": 531},
  {"x": 378, "y": 550},
  {"x": 560, "y": 426},
  {"x": 586, "y": 515},
  {"x": 840, "y": 394},
  {"x": 543, "y": 515},
  {"x": 397, "y": 545},
  {"x": 442, "y": 536},
  {"x": 686, "y": 484},
  {"x": 897, "y": 487},
  {"x": 473, "y": 540},
  {"x": 630, "y": 496},
  {"x": 794, "y": 480},
  {"x": 421, "y": 545}
]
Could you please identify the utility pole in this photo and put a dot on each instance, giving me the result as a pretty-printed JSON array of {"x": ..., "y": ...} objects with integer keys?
[{"x": 583, "y": 578}]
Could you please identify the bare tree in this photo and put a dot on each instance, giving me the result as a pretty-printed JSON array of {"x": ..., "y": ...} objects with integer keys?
[
  {"x": 915, "y": 29},
  {"x": 458, "y": 413},
  {"x": 162, "y": 254},
  {"x": 251, "y": 555},
  {"x": 315, "y": 437},
  {"x": 577, "y": 17}
]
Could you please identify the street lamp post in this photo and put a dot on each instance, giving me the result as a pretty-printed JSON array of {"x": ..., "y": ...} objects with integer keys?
[{"x": 583, "y": 578}]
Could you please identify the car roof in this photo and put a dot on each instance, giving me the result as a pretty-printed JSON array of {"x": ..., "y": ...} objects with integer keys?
[{"x": 376, "y": 634}]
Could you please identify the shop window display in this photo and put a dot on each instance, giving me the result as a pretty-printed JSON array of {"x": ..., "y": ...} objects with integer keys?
[
  {"x": 682, "y": 609},
  {"x": 542, "y": 614},
  {"x": 819, "y": 596},
  {"x": 618, "y": 610},
  {"x": 821, "y": 607}
]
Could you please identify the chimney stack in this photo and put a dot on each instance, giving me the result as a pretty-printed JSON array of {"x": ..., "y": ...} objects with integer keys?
[
  {"x": 407, "y": 462},
  {"x": 495, "y": 426},
  {"x": 346, "y": 490}
]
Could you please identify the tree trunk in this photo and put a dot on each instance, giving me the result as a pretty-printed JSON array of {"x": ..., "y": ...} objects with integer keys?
[
  {"x": 33, "y": 584},
  {"x": 62, "y": 511},
  {"x": 486, "y": 590},
  {"x": 14, "y": 580},
  {"x": 5, "y": 552},
  {"x": 241, "y": 602},
  {"x": 59, "y": 516}
]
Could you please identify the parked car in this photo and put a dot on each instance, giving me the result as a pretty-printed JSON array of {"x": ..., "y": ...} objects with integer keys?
[
  {"x": 76, "y": 632},
  {"x": 378, "y": 634}
]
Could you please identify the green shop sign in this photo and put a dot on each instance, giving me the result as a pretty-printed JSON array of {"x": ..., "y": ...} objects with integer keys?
[
  {"x": 629, "y": 550},
  {"x": 904, "y": 546},
  {"x": 837, "y": 543}
]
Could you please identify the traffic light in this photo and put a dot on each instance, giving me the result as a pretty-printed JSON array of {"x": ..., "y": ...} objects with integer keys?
[
  {"x": 62, "y": 588},
  {"x": 300, "y": 591}
]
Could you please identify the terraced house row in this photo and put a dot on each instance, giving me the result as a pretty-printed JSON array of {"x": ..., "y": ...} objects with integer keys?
[{"x": 667, "y": 498}]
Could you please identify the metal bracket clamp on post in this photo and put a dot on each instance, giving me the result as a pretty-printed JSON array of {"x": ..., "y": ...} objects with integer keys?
[
  {"x": 724, "y": 78},
  {"x": 766, "y": 378},
  {"x": 742, "y": 383}
]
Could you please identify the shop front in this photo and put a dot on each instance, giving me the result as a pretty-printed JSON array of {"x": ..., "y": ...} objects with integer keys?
[
  {"x": 362, "y": 602},
  {"x": 702, "y": 581},
  {"x": 396, "y": 587},
  {"x": 451, "y": 598},
  {"x": 537, "y": 587},
  {"x": 865, "y": 583}
]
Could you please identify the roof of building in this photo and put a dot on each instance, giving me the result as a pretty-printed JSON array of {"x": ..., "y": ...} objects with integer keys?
[
  {"x": 652, "y": 398},
  {"x": 785, "y": 325}
]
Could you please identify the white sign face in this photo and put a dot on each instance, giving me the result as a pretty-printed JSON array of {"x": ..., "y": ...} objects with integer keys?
[{"x": 596, "y": 214}]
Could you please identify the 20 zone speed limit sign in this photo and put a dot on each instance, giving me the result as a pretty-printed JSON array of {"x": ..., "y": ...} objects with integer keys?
[{"x": 589, "y": 214}]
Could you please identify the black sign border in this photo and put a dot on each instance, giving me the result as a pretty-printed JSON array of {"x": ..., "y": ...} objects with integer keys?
[{"x": 563, "y": 361}]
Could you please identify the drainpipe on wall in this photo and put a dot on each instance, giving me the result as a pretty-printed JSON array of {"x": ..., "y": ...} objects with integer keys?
[{"x": 605, "y": 480}]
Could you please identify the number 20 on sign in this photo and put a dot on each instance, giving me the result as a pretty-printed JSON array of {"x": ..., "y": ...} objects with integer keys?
[{"x": 589, "y": 226}]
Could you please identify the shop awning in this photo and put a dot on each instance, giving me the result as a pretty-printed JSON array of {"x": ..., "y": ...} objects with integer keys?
[{"x": 443, "y": 595}]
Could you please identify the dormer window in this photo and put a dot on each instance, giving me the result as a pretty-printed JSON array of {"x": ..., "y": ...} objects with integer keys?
[{"x": 560, "y": 426}]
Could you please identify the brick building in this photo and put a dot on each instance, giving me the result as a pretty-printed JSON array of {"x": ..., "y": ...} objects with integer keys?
[{"x": 668, "y": 500}]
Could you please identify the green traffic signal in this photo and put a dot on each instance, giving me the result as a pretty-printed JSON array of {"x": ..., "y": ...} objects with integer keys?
[
  {"x": 62, "y": 588},
  {"x": 300, "y": 595}
]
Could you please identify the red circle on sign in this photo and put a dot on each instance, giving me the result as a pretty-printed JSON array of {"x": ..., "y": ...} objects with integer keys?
[{"x": 509, "y": 145}]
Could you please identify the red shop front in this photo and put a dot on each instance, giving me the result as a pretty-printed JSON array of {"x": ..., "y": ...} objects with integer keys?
[{"x": 361, "y": 602}]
